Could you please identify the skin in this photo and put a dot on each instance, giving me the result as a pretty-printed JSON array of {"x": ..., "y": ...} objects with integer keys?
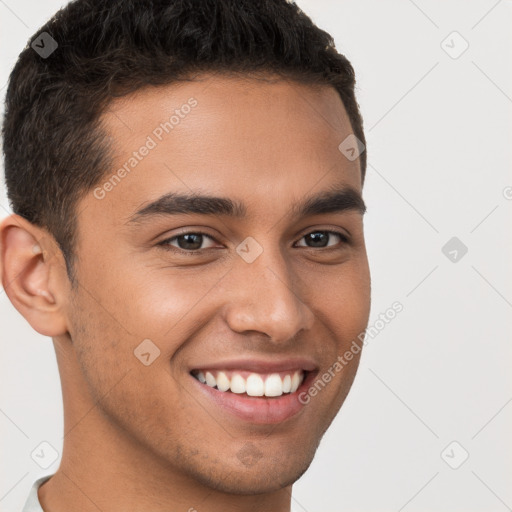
[{"x": 140, "y": 437}]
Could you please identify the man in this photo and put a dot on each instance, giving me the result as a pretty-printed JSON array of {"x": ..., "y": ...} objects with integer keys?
[{"x": 186, "y": 182}]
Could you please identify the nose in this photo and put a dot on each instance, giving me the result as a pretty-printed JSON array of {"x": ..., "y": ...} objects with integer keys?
[{"x": 264, "y": 298}]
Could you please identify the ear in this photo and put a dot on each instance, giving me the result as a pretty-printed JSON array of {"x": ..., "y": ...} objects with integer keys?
[{"x": 33, "y": 275}]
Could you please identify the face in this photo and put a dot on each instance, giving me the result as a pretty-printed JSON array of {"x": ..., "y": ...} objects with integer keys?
[{"x": 260, "y": 289}]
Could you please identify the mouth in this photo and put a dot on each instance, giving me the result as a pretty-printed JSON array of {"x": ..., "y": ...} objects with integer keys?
[
  {"x": 250, "y": 383},
  {"x": 261, "y": 398}
]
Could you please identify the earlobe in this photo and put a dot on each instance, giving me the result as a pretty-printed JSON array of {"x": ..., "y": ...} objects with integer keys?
[{"x": 30, "y": 271}]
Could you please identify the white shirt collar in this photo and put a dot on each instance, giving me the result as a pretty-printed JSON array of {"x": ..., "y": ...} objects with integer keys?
[{"x": 32, "y": 504}]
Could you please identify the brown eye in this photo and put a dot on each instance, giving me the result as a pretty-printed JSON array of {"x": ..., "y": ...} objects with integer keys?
[
  {"x": 321, "y": 238},
  {"x": 192, "y": 241}
]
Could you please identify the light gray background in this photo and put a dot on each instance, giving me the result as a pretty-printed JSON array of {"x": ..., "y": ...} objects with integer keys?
[{"x": 439, "y": 148}]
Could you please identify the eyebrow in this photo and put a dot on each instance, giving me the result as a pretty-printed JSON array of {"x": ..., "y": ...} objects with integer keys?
[{"x": 335, "y": 200}]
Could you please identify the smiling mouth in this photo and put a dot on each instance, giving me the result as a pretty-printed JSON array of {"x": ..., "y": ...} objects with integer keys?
[{"x": 269, "y": 385}]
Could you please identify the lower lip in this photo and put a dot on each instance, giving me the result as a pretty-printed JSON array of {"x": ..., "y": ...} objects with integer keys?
[{"x": 258, "y": 410}]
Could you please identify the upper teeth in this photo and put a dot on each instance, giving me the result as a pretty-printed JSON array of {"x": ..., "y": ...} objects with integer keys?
[{"x": 255, "y": 384}]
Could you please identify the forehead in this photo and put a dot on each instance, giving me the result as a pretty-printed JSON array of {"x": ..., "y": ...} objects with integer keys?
[
  {"x": 226, "y": 96},
  {"x": 259, "y": 139}
]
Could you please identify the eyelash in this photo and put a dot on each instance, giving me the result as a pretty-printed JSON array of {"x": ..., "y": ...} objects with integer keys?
[{"x": 166, "y": 245}]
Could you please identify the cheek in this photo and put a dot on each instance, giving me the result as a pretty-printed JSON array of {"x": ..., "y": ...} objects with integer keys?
[
  {"x": 101, "y": 342},
  {"x": 345, "y": 303},
  {"x": 134, "y": 301},
  {"x": 133, "y": 393},
  {"x": 158, "y": 302}
]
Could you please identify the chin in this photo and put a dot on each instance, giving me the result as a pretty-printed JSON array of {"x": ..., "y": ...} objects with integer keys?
[{"x": 261, "y": 478}]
